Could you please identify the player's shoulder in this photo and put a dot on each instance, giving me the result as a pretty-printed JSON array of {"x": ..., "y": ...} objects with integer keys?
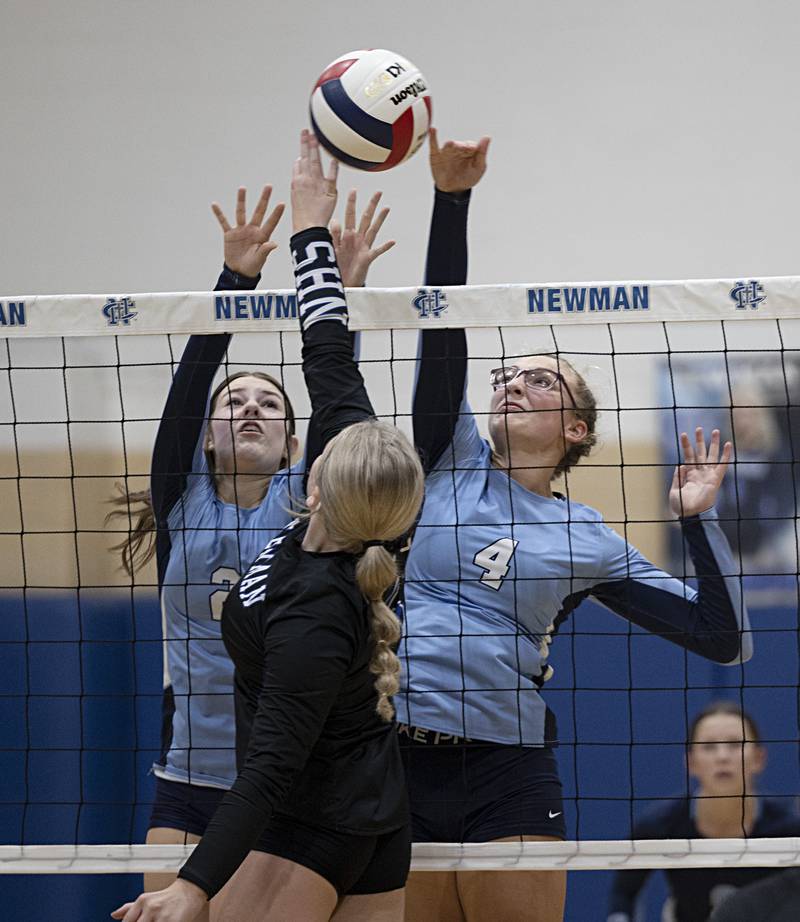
[
  {"x": 667, "y": 820},
  {"x": 777, "y": 817},
  {"x": 580, "y": 512},
  {"x": 196, "y": 505}
]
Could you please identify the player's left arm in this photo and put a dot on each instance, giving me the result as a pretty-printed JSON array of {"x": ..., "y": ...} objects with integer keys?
[{"x": 712, "y": 620}]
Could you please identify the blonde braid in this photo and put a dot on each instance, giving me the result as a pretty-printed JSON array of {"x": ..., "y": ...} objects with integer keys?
[{"x": 376, "y": 572}]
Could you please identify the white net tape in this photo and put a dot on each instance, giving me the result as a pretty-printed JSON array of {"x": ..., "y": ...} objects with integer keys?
[
  {"x": 404, "y": 308},
  {"x": 439, "y": 856}
]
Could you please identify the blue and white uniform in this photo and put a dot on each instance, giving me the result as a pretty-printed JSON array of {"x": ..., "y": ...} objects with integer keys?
[
  {"x": 203, "y": 546},
  {"x": 494, "y": 569}
]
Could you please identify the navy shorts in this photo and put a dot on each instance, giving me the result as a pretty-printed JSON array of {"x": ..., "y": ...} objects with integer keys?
[
  {"x": 188, "y": 807},
  {"x": 353, "y": 864},
  {"x": 473, "y": 791}
]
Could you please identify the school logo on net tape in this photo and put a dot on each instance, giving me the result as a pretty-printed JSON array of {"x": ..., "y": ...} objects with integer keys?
[
  {"x": 430, "y": 302},
  {"x": 748, "y": 294},
  {"x": 119, "y": 311}
]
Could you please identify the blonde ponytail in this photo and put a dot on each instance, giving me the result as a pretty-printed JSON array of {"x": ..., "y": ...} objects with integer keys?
[{"x": 371, "y": 485}]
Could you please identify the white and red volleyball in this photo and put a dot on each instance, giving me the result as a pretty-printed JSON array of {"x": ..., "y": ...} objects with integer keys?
[{"x": 371, "y": 109}]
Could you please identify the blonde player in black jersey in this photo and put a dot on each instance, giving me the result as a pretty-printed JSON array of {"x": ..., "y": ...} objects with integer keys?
[{"x": 316, "y": 825}]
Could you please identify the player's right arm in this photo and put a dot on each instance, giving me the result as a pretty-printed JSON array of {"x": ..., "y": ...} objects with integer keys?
[
  {"x": 335, "y": 386},
  {"x": 246, "y": 247},
  {"x": 442, "y": 359}
]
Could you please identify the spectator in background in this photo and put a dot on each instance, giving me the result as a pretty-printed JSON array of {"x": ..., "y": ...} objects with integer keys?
[{"x": 725, "y": 757}]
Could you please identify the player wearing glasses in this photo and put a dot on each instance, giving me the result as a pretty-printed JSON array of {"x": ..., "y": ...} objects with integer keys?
[{"x": 497, "y": 563}]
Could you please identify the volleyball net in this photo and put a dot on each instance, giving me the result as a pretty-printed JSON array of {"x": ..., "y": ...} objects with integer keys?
[{"x": 83, "y": 381}]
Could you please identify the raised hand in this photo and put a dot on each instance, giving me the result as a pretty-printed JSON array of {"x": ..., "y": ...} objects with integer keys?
[
  {"x": 457, "y": 165},
  {"x": 696, "y": 482},
  {"x": 355, "y": 252},
  {"x": 248, "y": 244},
  {"x": 313, "y": 193}
]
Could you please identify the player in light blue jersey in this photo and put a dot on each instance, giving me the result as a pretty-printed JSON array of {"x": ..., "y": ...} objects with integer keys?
[
  {"x": 497, "y": 563},
  {"x": 222, "y": 485}
]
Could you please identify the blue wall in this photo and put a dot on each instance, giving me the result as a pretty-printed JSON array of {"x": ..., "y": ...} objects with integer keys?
[{"x": 80, "y": 683}]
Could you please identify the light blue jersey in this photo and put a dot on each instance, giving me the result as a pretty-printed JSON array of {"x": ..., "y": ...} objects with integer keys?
[
  {"x": 494, "y": 568},
  {"x": 212, "y": 544}
]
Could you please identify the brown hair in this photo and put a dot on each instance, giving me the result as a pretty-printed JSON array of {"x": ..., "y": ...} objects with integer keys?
[
  {"x": 371, "y": 486},
  {"x": 750, "y": 729},
  {"x": 136, "y": 506},
  {"x": 585, "y": 409}
]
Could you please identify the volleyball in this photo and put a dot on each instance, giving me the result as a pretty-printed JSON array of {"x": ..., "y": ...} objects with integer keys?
[{"x": 371, "y": 109}]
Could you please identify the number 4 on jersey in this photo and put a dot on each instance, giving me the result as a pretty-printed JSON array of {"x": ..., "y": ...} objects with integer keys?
[{"x": 494, "y": 559}]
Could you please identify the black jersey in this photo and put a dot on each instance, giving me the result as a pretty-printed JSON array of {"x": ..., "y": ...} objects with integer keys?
[
  {"x": 310, "y": 744},
  {"x": 696, "y": 891}
]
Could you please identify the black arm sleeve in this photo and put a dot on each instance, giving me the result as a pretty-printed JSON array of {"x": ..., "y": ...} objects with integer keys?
[
  {"x": 713, "y": 622},
  {"x": 442, "y": 366},
  {"x": 308, "y": 652},
  {"x": 335, "y": 386},
  {"x": 183, "y": 417}
]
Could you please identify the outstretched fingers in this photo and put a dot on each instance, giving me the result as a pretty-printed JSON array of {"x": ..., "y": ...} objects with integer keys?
[
  {"x": 304, "y": 149},
  {"x": 261, "y": 206},
  {"x": 369, "y": 213},
  {"x": 724, "y": 461},
  {"x": 350, "y": 211},
  {"x": 333, "y": 174},
  {"x": 274, "y": 218},
  {"x": 336, "y": 233},
  {"x": 241, "y": 208},
  {"x": 375, "y": 228},
  {"x": 687, "y": 449},
  {"x": 219, "y": 215},
  {"x": 383, "y": 248}
]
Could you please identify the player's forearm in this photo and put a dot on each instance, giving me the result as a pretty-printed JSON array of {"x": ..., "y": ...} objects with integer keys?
[
  {"x": 446, "y": 262},
  {"x": 720, "y": 607},
  {"x": 335, "y": 386}
]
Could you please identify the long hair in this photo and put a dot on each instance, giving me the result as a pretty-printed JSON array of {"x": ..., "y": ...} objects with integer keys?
[
  {"x": 371, "y": 486},
  {"x": 135, "y": 507}
]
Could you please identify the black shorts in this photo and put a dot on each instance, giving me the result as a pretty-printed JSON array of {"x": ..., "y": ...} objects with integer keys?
[
  {"x": 474, "y": 791},
  {"x": 350, "y": 863},
  {"x": 187, "y": 807}
]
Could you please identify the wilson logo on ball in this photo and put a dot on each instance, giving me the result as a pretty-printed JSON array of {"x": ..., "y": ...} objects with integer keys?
[{"x": 371, "y": 109}]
